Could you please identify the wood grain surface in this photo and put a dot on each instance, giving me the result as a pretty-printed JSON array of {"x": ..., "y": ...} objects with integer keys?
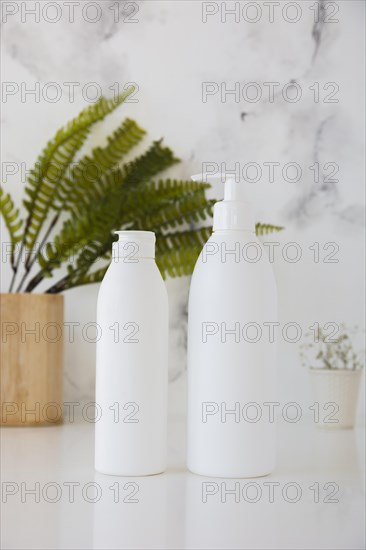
[{"x": 31, "y": 359}]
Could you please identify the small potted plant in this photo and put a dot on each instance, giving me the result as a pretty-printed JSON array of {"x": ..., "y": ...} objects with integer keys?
[{"x": 335, "y": 369}]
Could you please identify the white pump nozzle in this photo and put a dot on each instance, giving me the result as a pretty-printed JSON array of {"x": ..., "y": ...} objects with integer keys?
[
  {"x": 234, "y": 191},
  {"x": 234, "y": 212}
]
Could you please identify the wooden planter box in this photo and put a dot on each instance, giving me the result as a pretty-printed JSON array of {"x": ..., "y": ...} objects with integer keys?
[{"x": 31, "y": 359}]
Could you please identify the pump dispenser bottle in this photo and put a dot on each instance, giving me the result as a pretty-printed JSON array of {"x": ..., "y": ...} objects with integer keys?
[
  {"x": 132, "y": 361},
  {"x": 231, "y": 347}
]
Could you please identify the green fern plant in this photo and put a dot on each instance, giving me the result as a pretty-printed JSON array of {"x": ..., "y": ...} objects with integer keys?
[{"x": 72, "y": 208}]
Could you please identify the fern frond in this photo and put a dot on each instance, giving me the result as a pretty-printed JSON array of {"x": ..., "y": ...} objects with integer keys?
[
  {"x": 81, "y": 188},
  {"x": 189, "y": 208},
  {"x": 160, "y": 191},
  {"x": 266, "y": 228},
  {"x": 95, "y": 224},
  {"x": 95, "y": 277},
  {"x": 106, "y": 212},
  {"x": 177, "y": 253},
  {"x": 114, "y": 186},
  {"x": 12, "y": 221},
  {"x": 145, "y": 167},
  {"x": 41, "y": 186},
  {"x": 55, "y": 159}
]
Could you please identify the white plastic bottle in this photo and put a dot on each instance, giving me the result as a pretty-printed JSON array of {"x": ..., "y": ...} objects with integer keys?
[
  {"x": 132, "y": 361},
  {"x": 231, "y": 350}
]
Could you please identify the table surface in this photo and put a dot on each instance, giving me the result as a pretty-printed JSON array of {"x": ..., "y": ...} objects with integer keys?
[{"x": 53, "y": 498}]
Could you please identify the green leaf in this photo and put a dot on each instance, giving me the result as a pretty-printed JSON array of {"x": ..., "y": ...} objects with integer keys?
[
  {"x": 188, "y": 208},
  {"x": 266, "y": 228},
  {"x": 177, "y": 253},
  {"x": 84, "y": 184},
  {"x": 12, "y": 221},
  {"x": 89, "y": 230},
  {"x": 52, "y": 164}
]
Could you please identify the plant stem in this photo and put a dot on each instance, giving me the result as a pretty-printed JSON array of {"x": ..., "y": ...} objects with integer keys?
[
  {"x": 30, "y": 264},
  {"x": 59, "y": 287},
  {"x": 16, "y": 266},
  {"x": 12, "y": 279}
]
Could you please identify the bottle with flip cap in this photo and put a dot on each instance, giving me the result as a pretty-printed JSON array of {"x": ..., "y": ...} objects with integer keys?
[
  {"x": 132, "y": 361},
  {"x": 231, "y": 347}
]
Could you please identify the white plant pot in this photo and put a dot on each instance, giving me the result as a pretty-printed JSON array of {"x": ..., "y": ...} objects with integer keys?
[{"x": 336, "y": 389}]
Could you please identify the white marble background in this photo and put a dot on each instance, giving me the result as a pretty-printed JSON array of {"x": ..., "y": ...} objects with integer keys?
[{"x": 169, "y": 52}]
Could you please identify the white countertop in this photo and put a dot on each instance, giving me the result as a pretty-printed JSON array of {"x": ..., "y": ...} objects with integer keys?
[{"x": 168, "y": 510}]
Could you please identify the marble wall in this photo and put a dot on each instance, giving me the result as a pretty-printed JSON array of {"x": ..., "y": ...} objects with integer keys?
[{"x": 271, "y": 90}]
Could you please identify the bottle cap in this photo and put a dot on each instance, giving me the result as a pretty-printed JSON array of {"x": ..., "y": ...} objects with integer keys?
[
  {"x": 234, "y": 212},
  {"x": 134, "y": 245}
]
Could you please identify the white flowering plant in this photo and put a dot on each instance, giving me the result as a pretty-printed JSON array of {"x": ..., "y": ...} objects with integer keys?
[{"x": 323, "y": 351}]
